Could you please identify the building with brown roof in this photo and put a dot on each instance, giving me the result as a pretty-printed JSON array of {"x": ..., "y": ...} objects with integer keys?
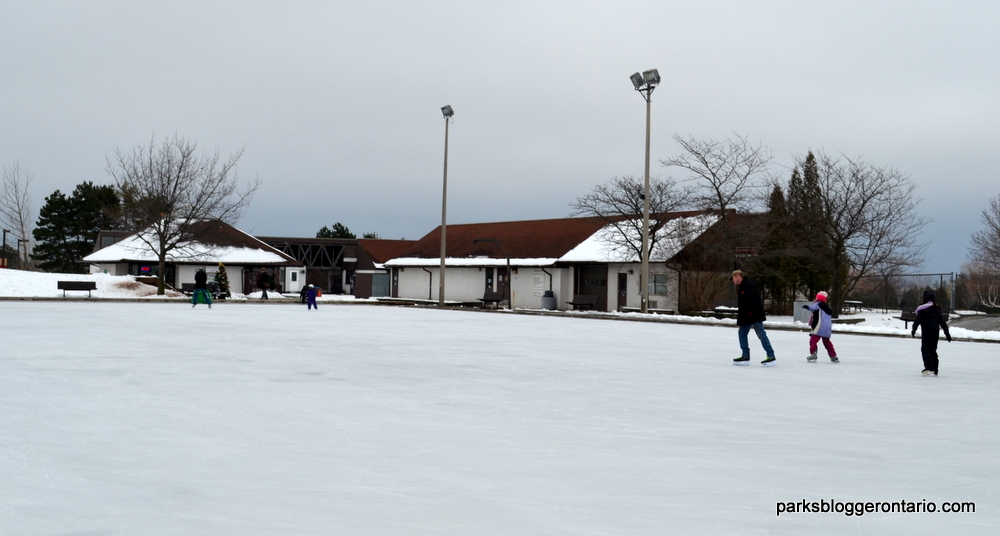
[{"x": 559, "y": 257}]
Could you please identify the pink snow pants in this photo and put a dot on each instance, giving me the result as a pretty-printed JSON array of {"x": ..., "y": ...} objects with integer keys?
[{"x": 813, "y": 339}]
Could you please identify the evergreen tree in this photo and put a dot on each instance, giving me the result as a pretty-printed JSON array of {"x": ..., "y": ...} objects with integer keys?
[
  {"x": 338, "y": 230},
  {"x": 808, "y": 234},
  {"x": 773, "y": 268},
  {"x": 67, "y": 226},
  {"x": 943, "y": 298},
  {"x": 222, "y": 278},
  {"x": 55, "y": 250}
]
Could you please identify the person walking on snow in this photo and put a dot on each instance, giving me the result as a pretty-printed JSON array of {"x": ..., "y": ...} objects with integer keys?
[
  {"x": 750, "y": 315},
  {"x": 263, "y": 281},
  {"x": 931, "y": 322},
  {"x": 822, "y": 327},
  {"x": 201, "y": 289},
  {"x": 311, "y": 298}
]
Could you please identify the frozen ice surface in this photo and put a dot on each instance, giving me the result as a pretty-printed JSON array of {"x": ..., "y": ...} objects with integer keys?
[{"x": 156, "y": 418}]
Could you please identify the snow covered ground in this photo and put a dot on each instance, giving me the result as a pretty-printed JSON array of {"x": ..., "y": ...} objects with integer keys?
[
  {"x": 27, "y": 285},
  {"x": 139, "y": 418}
]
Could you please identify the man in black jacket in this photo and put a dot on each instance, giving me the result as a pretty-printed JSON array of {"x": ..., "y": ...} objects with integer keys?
[{"x": 750, "y": 314}]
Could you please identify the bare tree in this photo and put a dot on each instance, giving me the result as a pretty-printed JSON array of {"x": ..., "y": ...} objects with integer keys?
[
  {"x": 169, "y": 192},
  {"x": 15, "y": 207},
  {"x": 619, "y": 203},
  {"x": 982, "y": 281},
  {"x": 871, "y": 222},
  {"x": 985, "y": 250},
  {"x": 727, "y": 173}
]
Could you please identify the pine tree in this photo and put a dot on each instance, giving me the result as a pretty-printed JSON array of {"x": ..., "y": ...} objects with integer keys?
[
  {"x": 55, "y": 250},
  {"x": 810, "y": 249},
  {"x": 67, "y": 226},
  {"x": 223, "y": 280},
  {"x": 773, "y": 268},
  {"x": 338, "y": 230}
]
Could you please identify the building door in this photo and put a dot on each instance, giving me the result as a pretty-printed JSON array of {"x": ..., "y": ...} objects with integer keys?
[
  {"x": 380, "y": 285},
  {"x": 593, "y": 279},
  {"x": 395, "y": 283},
  {"x": 622, "y": 291},
  {"x": 503, "y": 281},
  {"x": 489, "y": 277}
]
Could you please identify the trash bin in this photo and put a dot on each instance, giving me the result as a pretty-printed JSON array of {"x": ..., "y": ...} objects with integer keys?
[{"x": 549, "y": 301}]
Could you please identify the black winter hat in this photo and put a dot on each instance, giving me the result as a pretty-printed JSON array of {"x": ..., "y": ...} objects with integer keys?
[{"x": 929, "y": 296}]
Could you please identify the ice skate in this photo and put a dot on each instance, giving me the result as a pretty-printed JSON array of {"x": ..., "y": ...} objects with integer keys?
[
  {"x": 926, "y": 372},
  {"x": 769, "y": 362},
  {"x": 742, "y": 361},
  {"x": 834, "y": 359},
  {"x": 811, "y": 358}
]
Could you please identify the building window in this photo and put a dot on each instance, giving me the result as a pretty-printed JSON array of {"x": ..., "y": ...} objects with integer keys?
[
  {"x": 295, "y": 276},
  {"x": 658, "y": 284}
]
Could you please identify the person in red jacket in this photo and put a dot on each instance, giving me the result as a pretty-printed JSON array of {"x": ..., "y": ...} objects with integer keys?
[{"x": 750, "y": 315}]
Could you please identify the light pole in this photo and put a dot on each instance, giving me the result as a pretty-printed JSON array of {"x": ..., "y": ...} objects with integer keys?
[
  {"x": 5, "y": 231},
  {"x": 645, "y": 83},
  {"x": 510, "y": 275},
  {"x": 448, "y": 112}
]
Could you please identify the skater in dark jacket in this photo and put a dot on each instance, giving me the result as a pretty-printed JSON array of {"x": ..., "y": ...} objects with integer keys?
[
  {"x": 931, "y": 322},
  {"x": 750, "y": 315},
  {"x": 263, "y": 281},
  {"x": 201, "y": 289}
]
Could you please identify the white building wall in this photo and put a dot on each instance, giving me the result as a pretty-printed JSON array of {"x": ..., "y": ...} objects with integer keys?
[
  {"x": 468, "y": 284},
  {"x": 667, "y": 300},
  {"x": 530, "y": 283},
  {"x": 460, "y": 284}
]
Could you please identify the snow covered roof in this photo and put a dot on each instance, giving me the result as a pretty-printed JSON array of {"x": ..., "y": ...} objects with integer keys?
[
  {"x": 604, "y": 245},
  {"x": 597, "y": 244},
  {"x": 219, "y": 243}
]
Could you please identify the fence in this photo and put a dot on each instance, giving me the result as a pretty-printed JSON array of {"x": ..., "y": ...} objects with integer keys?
[
  {"x": 894, "y": 292},
  {"x": 963, "y": 292}
]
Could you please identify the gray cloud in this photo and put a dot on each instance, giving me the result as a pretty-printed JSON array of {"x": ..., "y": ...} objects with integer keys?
[{"x": 338, "y": 103}]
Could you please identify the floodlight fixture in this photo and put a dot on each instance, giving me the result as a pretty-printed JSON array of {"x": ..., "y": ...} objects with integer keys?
[
  {"x": 637, "y": 81},
  {"x": 651, "y": 77},
  {"x": 447, "y": 111}
]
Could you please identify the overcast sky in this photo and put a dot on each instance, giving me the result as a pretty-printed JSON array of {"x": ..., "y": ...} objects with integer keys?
[{"x": 337, "y": 104}]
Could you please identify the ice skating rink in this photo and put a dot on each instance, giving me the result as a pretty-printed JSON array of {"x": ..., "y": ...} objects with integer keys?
[{"x": 160, "y": 419}]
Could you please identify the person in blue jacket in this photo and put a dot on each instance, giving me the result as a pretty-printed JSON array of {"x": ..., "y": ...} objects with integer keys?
[
  {"x": 822, "y": 327},
  {"x": 311, "y": 297},
  {"x": 931, "y": 323}
]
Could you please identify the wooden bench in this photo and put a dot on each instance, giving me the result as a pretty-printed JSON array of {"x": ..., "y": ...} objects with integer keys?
[
  {"x": 852, "y": 306},
  {"x": 212, "y": 287},
  {"x": 491, "y": 297},
  {"x": 76, "y": 285},
  {"x": 583, "y": 300},
  {"x": 725, "y": 309},
  {"x": 910, "y": 315}
]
